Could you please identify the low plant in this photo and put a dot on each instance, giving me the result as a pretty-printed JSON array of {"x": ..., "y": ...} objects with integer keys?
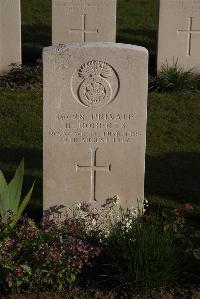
[
  {"x": 137, "y": 252},
  {"x": 131, "y": 251},
  {"x": 23, "y": 76},
  {"x": 98, "y": 223},
  {"x": 43, "y": 257},
  {"x": 10, "y": 195},
  {"x": 186, "y": 234},
  {"x": 139, "y": 255},
  {"x": 175, "y": 78}
]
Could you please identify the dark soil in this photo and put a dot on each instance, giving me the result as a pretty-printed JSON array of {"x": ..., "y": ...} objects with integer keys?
[{"x": 175, "y": 293}]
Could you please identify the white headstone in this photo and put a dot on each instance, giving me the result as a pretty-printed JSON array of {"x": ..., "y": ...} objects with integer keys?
[
  {"x": 10, "y": 34},
  {"x": 83, "y": 21},
  {"x": 179, "y": 34},
  {"x": 95, "y": 111}
]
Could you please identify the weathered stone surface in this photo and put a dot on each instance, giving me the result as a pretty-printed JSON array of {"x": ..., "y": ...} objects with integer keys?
[
  {"x": 95, "y": 110},
  {"x": 179, "y": 33},
  {"x": 83, "y": 21},
  {"x": 10, "y": 34}
]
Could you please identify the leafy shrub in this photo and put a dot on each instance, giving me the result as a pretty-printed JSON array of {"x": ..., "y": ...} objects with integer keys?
[
  {"x": 25, "y": 77},
  {"x": 136, "y": 252},
  {"x": 187, "y": 235},
  {"x": 48, "y": 256},
  {"x": 175, "y": 78}
]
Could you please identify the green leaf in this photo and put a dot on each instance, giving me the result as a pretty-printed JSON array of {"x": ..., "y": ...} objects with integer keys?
[
  {"x": 196, "y": 234},
  {"x": 196, "y": 253},
  {"x": 22, "y": 207},
  {"x": 15, "y": 187},
  {"x": 175, "y": 228},
  {"x": 4, "y": 195},
  {"x": 19, "y": 283},
  {"x": 27, "y": 269}
]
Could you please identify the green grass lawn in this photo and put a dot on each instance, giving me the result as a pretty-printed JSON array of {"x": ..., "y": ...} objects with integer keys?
[
  {"x": 173, "y": 147},
  {"x": 21, "y": 136}
]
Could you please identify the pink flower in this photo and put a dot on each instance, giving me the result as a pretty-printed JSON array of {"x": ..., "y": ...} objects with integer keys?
[
  {"x": 18, "y": 270},
  {"x": 9, "y": 243},
  {"x": 39, "y": 62}
]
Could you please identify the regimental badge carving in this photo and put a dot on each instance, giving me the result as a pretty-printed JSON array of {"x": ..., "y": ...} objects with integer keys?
[
  {"x": 95, "y": 84},
  {"x": 95, "y": 90}
]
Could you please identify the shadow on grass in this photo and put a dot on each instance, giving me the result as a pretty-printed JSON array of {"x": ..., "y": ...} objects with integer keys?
[
  {"x": 174, "y": 175},
  {"x": 143, "y": 38},
  {"x": 34, "y": 39},
  {"x": 33, "y": 161}
]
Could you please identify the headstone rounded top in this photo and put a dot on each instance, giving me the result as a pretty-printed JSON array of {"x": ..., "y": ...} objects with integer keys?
[{"x": 61, "y": 48}]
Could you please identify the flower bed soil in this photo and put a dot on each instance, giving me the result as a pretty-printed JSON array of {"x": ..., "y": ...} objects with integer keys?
[{"x": 174, "y": 293}]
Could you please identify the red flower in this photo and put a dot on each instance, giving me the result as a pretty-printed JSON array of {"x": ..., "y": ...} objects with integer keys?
[
  {"x": 182, "y": 211},
  {"x": 188, "y": 206}
]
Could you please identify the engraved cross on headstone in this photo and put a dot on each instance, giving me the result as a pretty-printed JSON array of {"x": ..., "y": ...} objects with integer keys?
[
  {"x": 83, "y": 30},
  {"x": 93, "y": 168},
  {"x": 189, "y": 35}
]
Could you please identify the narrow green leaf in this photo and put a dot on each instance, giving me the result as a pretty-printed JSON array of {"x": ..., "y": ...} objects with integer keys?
[
  {"x": 27, "y": 269},
  {"x": 15, "y": 187},
  {"x": 4, "y": 195},
  {"x": 22, "y": 207},
  {"x": 196, "y": 253}
]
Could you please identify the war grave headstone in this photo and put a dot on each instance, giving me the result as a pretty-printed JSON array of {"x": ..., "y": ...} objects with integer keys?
[
  {"x": 179, "y": 34},
  {"x": 95, "y": 112},
  {"x": 10, "y": 34},
  {"x": 83, "y": 21}
]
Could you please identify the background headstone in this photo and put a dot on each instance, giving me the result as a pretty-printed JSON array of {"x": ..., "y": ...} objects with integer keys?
[
  {"x": 179, "y": 33},
  {"x": 95, "y": 110},
  {"x": 83, "y": 21},
  {"x": 10, "y": 34}
]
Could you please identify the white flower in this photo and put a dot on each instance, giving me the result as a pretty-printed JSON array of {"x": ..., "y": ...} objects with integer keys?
[
  {"x": 94, "y": 222},
  {"x": 134, "y": 213},
  {"x": 77, "y": 204}
]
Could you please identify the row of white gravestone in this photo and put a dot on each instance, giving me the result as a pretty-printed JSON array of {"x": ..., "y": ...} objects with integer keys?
[
  {"x": 72, "y": 21},
  {"x": 95, "y": 110},
  {"x": 95, "y": 21}
]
